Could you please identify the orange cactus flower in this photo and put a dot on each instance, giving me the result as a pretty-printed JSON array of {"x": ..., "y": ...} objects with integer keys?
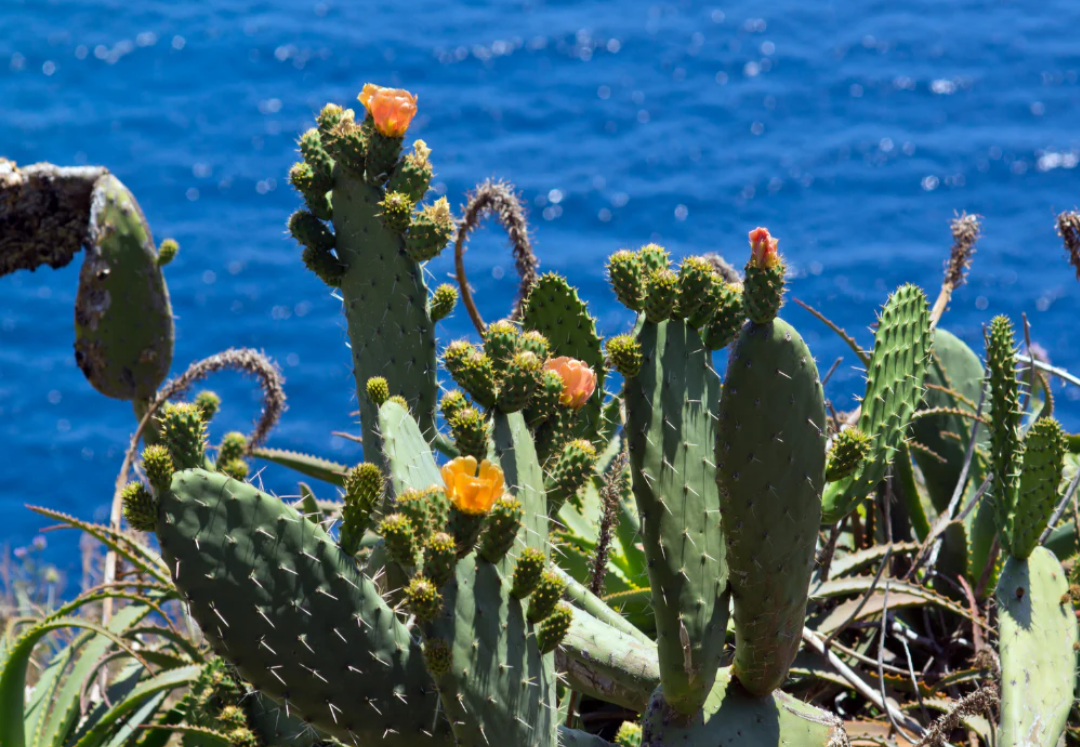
[
  {"x": 763, "y": 249},
  {"x": 579, "y": 381},
  {"x": 391, "y": 108},
  {"x": 472, "y": 492}
]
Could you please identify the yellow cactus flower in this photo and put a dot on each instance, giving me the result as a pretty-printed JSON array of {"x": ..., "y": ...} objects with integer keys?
[
  {"x": 470, "y": 491},
  {"x": 579, "y": 381},
  {"x": 391, "y": 108}
]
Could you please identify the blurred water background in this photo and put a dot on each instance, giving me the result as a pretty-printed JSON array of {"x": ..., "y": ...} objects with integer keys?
[{"x": 853, "y": 130}]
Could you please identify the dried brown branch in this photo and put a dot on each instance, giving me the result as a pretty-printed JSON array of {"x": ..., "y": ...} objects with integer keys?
[
  {"x": 966, "y": 230},
  {"x": 610, "y": 495},
  {"x": 972, "y": 704}
]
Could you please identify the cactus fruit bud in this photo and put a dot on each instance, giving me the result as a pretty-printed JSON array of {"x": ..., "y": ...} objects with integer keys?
[
  {"x": 470, "y": 432},
  {"x": 413, "y": 173},
  {"x": 727, "y": 316},
  {"x": 378, "y": 390},
  {"x": 430, "y": 231},
  {"x": 763, "y": 289},
  {"x": 414, "y": 506},
  {"x": 1044, "y": 451},
  {"x": 438, "y": 657},
  {"x": 140, "y": 508},
  {"x": 503, "y": 523},
  {"x": 317, "y": 159},
  {"x": 554, "y": 628},
  {"x": 534, "y": 342},
  {"x": 318, "y": 243},
  {"x": 545, "y": 400},
  {"x": 348, "y": 144},
  {"x": 237, "y": 469},
  {"x": 400, "y": 537},
  {"x": 398, "y": 399},
  {"x": 167, "y": 252},
  {"x": 422, "y": 599},
  {"x": 696, "y": 281},
  {"x": 391, "y": 109},
  {"x": 624, "y": 355},
  {"x": 443, "y": 301},
  {"x": 233, "y": 446},
  {"x": 527, "y": 572},
  {"x": 208, "y": 403},
  {"x": 545, "y": 596},
  {"x": 500, "y": 342},
  {"x": 452, "y": 403},
  {"x": 184, "y": 434},
  {"x": 158, "y": 466},
  {"x": 627, "y": 279},
  {"x": 363, "y": 493},
  {"x": 312, "y": 188},
  {"x": 330, "y": 117},
  {"x": 396, "y": 211},
  {"x": 629, "y": 735},
  {"x": 849, "y": 447},
  {"x": 477, "y": 377},
  {"x": 571, "y": 470},
  {"x": 440, "y": 557},
  {"x": 521, "y": 379},
  {"x": 579, "y": 381},
  {"x": 654, "y": 257},
  {"x": 661, "y": 288}
]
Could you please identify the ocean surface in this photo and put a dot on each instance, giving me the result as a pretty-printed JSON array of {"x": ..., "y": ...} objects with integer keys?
[{"x": 853, "y": 130}]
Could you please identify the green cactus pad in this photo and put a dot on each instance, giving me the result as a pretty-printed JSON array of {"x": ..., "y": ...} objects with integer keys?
[
  {"x": 140, "y": 508},
  {"x": 671, "y": 405},
  {"x": 569, "y": 473},
  {"x": 661, "y": 290},
  {"x": 501, "y": 530},
  {"x": 184, "y": 434},
  {"x": 770, "y": 466},
  {"x": 1004, "y": 416},
  {"x": 158, "y": 466},
  {"x": 624, "y": 354},
  {"x": 500, "y": 343},
  {"x": 731, "y": 716},
  {"x": 697, "y": 278},
  {"x": 413, "y": 173},
  {"x": 443, "y": 301},
  {"x": 123, "y": 319},
  {"x": 471, "y": 433},
  {"x": 1043, "y": 461},
  {"x": 527, "y": 571},
  {"x": 894, "y": 388},
  {"x": 554, "y": 309},
  {"x": 554, "y": 628},
  {"x": 763, "y": 292},
  {"x": 1037, "y": 636},
  {"x": 440, "y": 557},
  {"x": 521, "y": 378},
  {"x": 275, "y": 596},
  {"x": 849, "y": 447},
  {"x": 430, "y": 231}
]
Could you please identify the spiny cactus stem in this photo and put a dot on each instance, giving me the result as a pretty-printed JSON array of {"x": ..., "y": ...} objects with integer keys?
[{"x": 1059, "y": 510}]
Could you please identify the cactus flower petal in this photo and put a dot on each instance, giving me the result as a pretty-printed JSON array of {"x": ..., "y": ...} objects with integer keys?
[
  {"x": 579, "y": 381},
  {"x": 470, "y": 492},
  {"x": 763, "y": 248},
  {"x": 391, "y": 108}
]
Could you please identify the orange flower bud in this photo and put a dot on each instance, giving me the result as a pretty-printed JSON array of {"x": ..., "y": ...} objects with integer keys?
[
  {"x": 391, "y": 108},
  {"x": 469, "y": 491},
  {"x": 579, "y": 381},
  {"x": 763, "y": 249}
]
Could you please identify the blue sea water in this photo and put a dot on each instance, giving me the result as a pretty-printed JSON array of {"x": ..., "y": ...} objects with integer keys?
[{"x": 853, "y": 130}]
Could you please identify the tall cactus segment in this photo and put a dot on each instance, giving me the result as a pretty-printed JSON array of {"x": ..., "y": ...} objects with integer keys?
[
  {"x": 1037, "y": 639},
  {"x": 1037, "y": 492},
  {"x": 352, "y": 176},
  {"x": 123, "y": 319},
  {"x": 894, "y": 388},
  {"x": 770, "y": 466},
  {"x": 670, "y": 431},
  {"x": 1004, "y": 416}
]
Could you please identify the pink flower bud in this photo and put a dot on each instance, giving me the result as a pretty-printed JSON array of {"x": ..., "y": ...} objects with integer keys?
[{"x": 763, "y": 249}]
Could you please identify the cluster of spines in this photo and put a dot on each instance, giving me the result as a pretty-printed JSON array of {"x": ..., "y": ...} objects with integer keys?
[
  {"x": 364, "y": 486},
  {"x": 849, "y": 448}
]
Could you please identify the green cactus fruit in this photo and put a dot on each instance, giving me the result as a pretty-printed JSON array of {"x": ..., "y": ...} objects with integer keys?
[
  {"x": 346, "y": 142},
  {"x": 378, "y": 390},
  {"x": 438, "y": 657},
  {"x": 430, "y": 231},
  {"x": 521, "y": 379},
  {"x": 629, "y": 735},
  {"x": 1005, "y": 416},
  {"x": 316, "y": 157},
  {"x": 399, "y": 400},
  {"x": 123, "y": 318},
  {"x": 466, "y": 528},
  {"x": 470, "y": 431},
  {"x": 158, "y": 466},
  {"x": 624, "y": 355},
  {"x": 318, "y": 242},
  {"x": 894, "y": 388},
  {"x": 167, "y": 251},
  {"x": 330, "y": 116},
  {"x": 534, "y": 342},
  {"x": 763, "y": 286},
  {"x": 549, "y": 590},
  {"x": 313, "y": 188},
  {"x": 661, "y": 287},
  {"x": 452, "y": 403},
  {"x": 422, "y": 599},
  {"x": 397, "y": 211},
  {"x": 363, "y": 494},
  {"x": 400, "y": 537},
  {"x": 478, "y": 379},
  {"x": 413, "y": 173},
  {"x": 625, "y": 271},
  {"x": 443, "y": 301},
  {"x": 208, "y": 403},
  {"x": 849, "y": 447},
  {"x": 696, "y": 281},
  {"x": 503, "y": 522},
  {"x": 554, "y": 627},
  {"x": 569, "y": 473},
  {"x": 184, "y": 434},
  {"x": 544, "y": 403},
  {"x": 457, "y": 354},
  {"x": 527, "y": 572},
  {"x": 140, "y": 508},
  {"x": 383, "y": 152},
  {"x": 654, "y": 258},
  {"x": 500, "y": 343},
  {"x": 1043, "y": 461},
  {"x": 237, "y": 469},
  {"x": 233, "y": 446},
  {"x": 418, "y": 508},
  {"x": 1037, "y": 646},
  {"x": 440, "y": 557},
  {"x": 728, "y": 315}
]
